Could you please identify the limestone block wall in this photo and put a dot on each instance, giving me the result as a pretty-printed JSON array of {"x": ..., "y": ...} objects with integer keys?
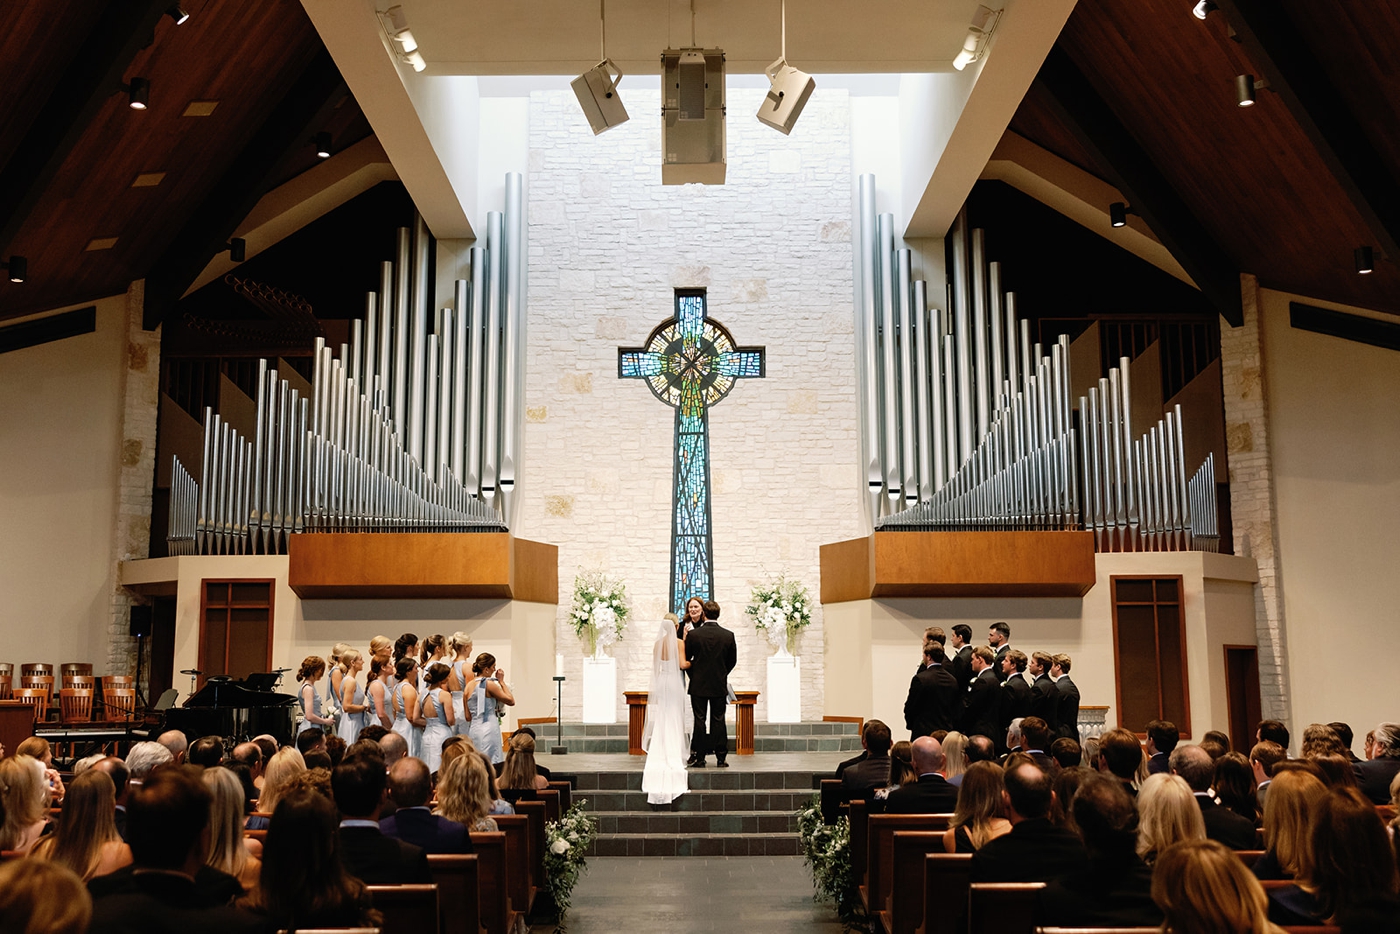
[{"x": 608, "y": 244}]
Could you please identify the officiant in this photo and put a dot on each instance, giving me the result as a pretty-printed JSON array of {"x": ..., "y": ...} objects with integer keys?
[{"x": 710, "y": 649}]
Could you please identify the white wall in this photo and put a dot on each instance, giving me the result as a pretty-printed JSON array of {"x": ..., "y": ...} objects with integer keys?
[
  {"x": 1335, "y": 435},
  {"x": 60, "y": 441}
]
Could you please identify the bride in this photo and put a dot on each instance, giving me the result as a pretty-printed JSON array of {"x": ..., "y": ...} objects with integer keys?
[{"x": 666, "y": 736}]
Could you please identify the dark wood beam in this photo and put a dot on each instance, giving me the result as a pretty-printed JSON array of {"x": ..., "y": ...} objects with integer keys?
[
  {"x": 1132, "y": 171},
  {"x": 90, "y": 79},
  {"x": 289, "y": 126},
  {"x": 1282, "y": 56}
]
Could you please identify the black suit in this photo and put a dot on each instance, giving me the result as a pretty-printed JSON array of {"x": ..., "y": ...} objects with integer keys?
[
  {"x": 710, "y": 650},
  {"x": 961, "y": 664},
  {"x": 983, "y": 699},
  {"x": 1068, "y": 713},
  {"x": 379, "y": 860},
  {"x": 859, "y": 781},
  {"x": 125, "y": 902},
  {"x": 1034, "y": 851},
  {"x": 843, "y": 766},
  {"x": 1111, "y": 892},
  {"x": 1015, "y": 702},
  {"x": 931, "y": 794},
  {"x": 996, "y": 664},
  {"x": 422, "y": 828},
  {"x": 1224, "y": 825},
  {"x": 120, "y": 818},
  {"x": 1045, "y": 702},
  {"x": 934, "y": 702},
  {"x": 1374, "y": 778}
]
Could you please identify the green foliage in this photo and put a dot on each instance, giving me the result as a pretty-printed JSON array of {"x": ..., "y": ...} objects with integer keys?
[
  {"x": 567, "y": 841},
  {"x": 780, "y": 610},
  {"x": 600, "y": 609},
  {"x": 826, "y": 849}
]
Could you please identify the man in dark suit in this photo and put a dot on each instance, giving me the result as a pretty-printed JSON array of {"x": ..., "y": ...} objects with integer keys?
[
  {"x": 168, "y": 889},
  {"x": 935, "y": 697},
  {"x": 360, "y": 789},
  {"x": 1015, "y": 692},
  {"x": 1035, "y": 742},
  {"x": 1162, "y": 737},
  {"x": 1068, "y": 713},
  {"x": 859, "y": 781},
  {"x": 1196, "y": 766},
  {"x": 1035, "y": 850},
  {"x": 1045, "y": 699},
  {"x": 1344, "y": 733},
  {"x": 931, "y": 794},
  {"x": 411, "y": 787},
  {"x": 1120, "y": 755},
  {"x": 116, "y": 770},
  {"x": 1374, "y": 776},
  {"x": 983, "y": 697},
  {"x": 935, "y": 638},
  {"x": 710, "y": 650},
  {"x": 999, "y": 640},
  {"x": 960, "y": 662},
  {"x": 1262, "y": 759}
]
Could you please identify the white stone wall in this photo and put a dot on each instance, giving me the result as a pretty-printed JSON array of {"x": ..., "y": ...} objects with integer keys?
[{"x": 608, "y": 244}]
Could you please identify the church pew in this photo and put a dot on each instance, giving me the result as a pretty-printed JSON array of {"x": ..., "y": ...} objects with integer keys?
[
  {"x": 831, "y": 800},
  {"x": 566, "y": 795},
  {"x": 1003, "y": 907},
  {"x": 879, "y": 866},
  {"x": 860, "y": 848},
  {"x": 494, "y": 892},
  {"x": 1249, "y": 857},
  {"x": 519, "y": 884},
  {"x": 1325, "y": 929},
  {"x": 459, "y": 892},
  {"x": 258, "y": 835},
  {"x": 407, "y": 909},
  {"x": 901, "y": 911},
  {"x": 947, "y": 878},
  {"x": 535, "y": 811},
  {"x": 550, "y": 797}
]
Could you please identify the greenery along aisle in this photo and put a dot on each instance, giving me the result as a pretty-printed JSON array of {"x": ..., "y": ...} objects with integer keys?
[
  {"x": 567, "y": 841},
  {"x": 827, "y": 851}
]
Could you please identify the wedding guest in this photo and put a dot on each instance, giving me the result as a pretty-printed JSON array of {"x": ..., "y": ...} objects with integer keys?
[
  {"x": 228, "y": 850},
  {"x": 1162, "y": 737},
  {"x": 1203, "y": 888},
  {"x": 86, "y": 840},
  {"x": 1234, "y": 786},
  {"x": 176, "y": 742},
  {"x": 931, "y": 793},
  {"x": 393, "y": 747},
  {"x": 1272, "y": 731},
  {"x": 1374, "y": 777},
  {"x": 954, "y": 756},
  {"x": 310, "y": 741},
  {"x": 116, "y": 770},
  {"x": 977, "y": 817},
  {"x": 410, "y": 788},
  {"x": 1036, "y": 737},
  {"x": 24, "y": 798},
  {"x": 1067, "y": 752},
  {"x": 1294, "y": 797},
  {"x": 464, "y": 793},
  {"x": 1194, "y": 765},
  {"x": 359, "y": 785},
  {"x": 206, "y": 752},
  {"x": 901, "y": 771},
  {"x": 519, "y": 774},
  {"x": 1120, "y": 754},
  {"x": 1066, "y": 784},
  {"x": 39, "y": 897},
  {"x": 1263, "y": 758},
  {"x": 1319, "y": 739},
  {"x": 539, "y": 769},
  {"x": 1337, "y": 770},
  {"x": 286, "y": 763},
  {"x": 314, "y": 780},
  {"x": 145, "y": 758},
  {"x": 1035, "y": 850},
  {"x": 1167, "y": 814},
  {"x": 335, "y": 748},
  {"x": 859, "y": 781}
]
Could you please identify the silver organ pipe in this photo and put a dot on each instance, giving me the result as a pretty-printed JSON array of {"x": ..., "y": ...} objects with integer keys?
[
  {"x": 339, "y": 460},
  {"x": 969, "y": 424}
]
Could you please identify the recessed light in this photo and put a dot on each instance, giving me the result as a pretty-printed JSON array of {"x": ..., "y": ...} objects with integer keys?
[
  {"x": 148, "y": 180},
  {"x": 102, "y": 243},
  {"x": 200, "y": 108}
]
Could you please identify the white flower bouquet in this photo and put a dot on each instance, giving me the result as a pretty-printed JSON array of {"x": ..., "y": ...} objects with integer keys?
[
  {"x": 780, "y": 610},
  {"x": 565, "y": 859},
  {"x": 600, "y": 609}
]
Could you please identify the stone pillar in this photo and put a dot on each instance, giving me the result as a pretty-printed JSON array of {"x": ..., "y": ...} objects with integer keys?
[
  {"x": 1253, "y": 501},
  {"x": 136, "y": 474}
]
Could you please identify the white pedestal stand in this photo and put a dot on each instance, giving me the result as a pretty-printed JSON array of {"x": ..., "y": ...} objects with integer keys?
[
  {"x": 600, "y": 689},
  {"x": 784, "y": 688}
]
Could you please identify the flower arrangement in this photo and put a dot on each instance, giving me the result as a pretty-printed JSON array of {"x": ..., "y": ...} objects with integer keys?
[
  {"x": 826, "y": 849},
  {"x": 600, "y": 609},
  {"x": 780, "y": 610},
  {"x": 567, "y": 841}
]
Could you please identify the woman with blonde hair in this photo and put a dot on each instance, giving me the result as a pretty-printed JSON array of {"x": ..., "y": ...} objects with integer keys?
[
  {"x": 352, "y": 698},
  {"x": 381, "y": 648},
  {"x": 464, "y": 793},
  {"x": 312, "y": 667},
  {"x": 434, "y": 650},
  {"x": 977, "y": 817},
  {"x": 86, "y": 840},
  {"x": 460, "y": 645},
  {"x": 1202, "y": 887},
  {"x": 336, "y": 672},
  {"x": 1167, "y": 814},
  {"x": 519, "y": 774},
  {"x": 228, "y": 851},
  {"x": 955, "y": 751},
  {"x": 38, "y": 897},
  {"x": 1292, "y": 797},
  {"x": 281, "y": 767},
  {"x": 24, "y": 801}
]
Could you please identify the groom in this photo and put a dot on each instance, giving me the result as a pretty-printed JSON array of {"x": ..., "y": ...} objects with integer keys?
[{"x": 710, "y": 650}]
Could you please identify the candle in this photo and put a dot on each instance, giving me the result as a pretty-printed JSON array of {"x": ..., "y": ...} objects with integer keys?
[{"x": 558, "y": 666}]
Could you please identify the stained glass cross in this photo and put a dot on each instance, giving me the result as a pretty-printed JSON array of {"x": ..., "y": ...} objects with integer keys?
[{"x": 690, "y": 362}]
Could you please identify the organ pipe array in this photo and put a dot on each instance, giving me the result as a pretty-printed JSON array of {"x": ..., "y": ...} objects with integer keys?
[
  {"x": 966, "y": 424},
  {"x": 405, "y": 429}
]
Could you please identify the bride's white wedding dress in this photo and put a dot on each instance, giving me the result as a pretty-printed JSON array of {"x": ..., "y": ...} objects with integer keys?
[{"x": 666, "y": 736}]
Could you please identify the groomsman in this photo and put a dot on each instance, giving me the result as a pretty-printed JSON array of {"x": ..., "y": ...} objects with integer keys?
[
  {"x": 983, "y": 696},
  {"x": 935, "y": 697},
  {"x": 1045, "y": 699},
  {"x": 999, "y": 639},
  {"x": 961, "y": 660},
  {"x": 1069, "y": 696},
  {"x": 1015, "y": 692}
]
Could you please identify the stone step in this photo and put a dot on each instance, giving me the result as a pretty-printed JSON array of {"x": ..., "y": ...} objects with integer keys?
[
  {"x": 666, "y": 823},
  {"x": 626, "y": 844},
  {"x": 635, "y": 802},
  {"x": 710, "y": 779},
  {"x": 546, "y": 731},
  {"x": 830, "y": 744}
]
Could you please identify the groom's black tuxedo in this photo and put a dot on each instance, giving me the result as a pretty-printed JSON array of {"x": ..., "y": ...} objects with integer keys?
[{"x": 712, "y": 655}]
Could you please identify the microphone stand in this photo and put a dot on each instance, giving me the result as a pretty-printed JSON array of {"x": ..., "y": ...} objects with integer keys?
[{"x": 561, "y": 749}]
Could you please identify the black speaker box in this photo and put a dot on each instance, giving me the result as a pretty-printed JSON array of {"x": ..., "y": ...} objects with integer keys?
[{"x": 140, "y": 621}]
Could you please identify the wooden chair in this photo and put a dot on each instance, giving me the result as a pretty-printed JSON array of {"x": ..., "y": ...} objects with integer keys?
[
  {"x": 75, "y": 705},
  {"x": 879, "y": 867},
  {"x": 7, "y": 669},
  {"x": 116, "y": 681},
  {"x": 407, "y": 909},
  {"x": 496, "y": 914},
  {"x": 34, "y": 697},
  {"x": 30, "y": 669},
  {"x": 6, "y": 686},
  {"x": 1003, "y": 907},
  {"x": 118, "y": 703},
  {"x": 81, "y": 681},
  {"x": 902, "y": 911},
  {"x": 947, "y": 878},
  {"x": 39, "y": 681},
  {"x": 459, "y": 892},
  {"x": 69, "y": 670}
]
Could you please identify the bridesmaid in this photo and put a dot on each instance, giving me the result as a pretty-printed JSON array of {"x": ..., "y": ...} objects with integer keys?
[
  {"x": 312, "y": 667},
  {"x": 337, "y": 672},
  {"x": 407, "y": 722},
  {"x": 436, "y": 709},
  {"x": 485, "y": 693},
  {"x": 434, "y": 648},
  {"x": 378, "y": 691},
  {"x": 405, "y": 646},
  {"x": 352, "y": 698},
  {"x": 380, "y": 649},
  {"x": 461, "y": 646}
]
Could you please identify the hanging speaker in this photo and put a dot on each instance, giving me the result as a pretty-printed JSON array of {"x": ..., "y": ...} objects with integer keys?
[{"x": 140, "y": 621}]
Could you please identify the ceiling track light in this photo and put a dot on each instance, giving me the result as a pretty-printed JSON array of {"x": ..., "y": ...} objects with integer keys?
[
  {"x": 1118, "y": 214},
  {"x": 323, "y": 145},
  {"x": 788, "y": 88},
  {"x": 979, "y": 36},
  {"x": 1245, "y": 86},
  {"x": 138, "y": 93},
  {"x": 17, "y": 268},
  {"x": 596, "y": 88},
  {"x": 1203, "y": 9},
  {"x": 1364, "y": 256},
  {"x": 237, "y": 249},
  {"x": 177, "y": 13},
  {"x": 395, "y": 26}
]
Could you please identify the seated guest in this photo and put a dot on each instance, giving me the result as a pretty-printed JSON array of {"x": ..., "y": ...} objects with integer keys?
[
  {"x": 1374, "y": 777},
  {"x": 1035, "y": 850},
  {"x": 955, "y": 755},
  {"x": 1347, "y": 737},
  {"x": 360, "y": 788},
  {"x": 977, "y": 816},
  {"x": 539, "y": 769},
  {"x": 518, "y": 776},
  {"x": 168, "y": 889},
  {"x": 174, "y": 741},
  {"x": 145, "y": 758},
  {"x": 304, "y": 882},
  {"x": 1337, "y": 770},
  {"x": 247, "y": 762},
  {"x": 1115, "y": 887},
  {"x": 318, "y": 759},
  {"x": 373, "y": 733},
  {"x": 464, "y": 793},
  {"x": 1092, "y": 757},
  {"x": 931, "y": 793},
  {"x": 1194, "y": 764},
  {"x": 1203, "y": 888},
  {"x": 499, "y": 805},
  {"x": 1067, "y": 752},
  {"x": 1349, "y": 861},
  {"x": 335, "y": 748},
  {"x": 229, "y": 852},
  {"x": 116, "y": 770},
  {"x": 206, "y": 752},
  {"x": 365, "y": 747},
  {"x": 1013, "y": 738},
  {"x": 37, "y": 747},
  {"x": 24, "y": 801},
  {"x": 977, "y": 749},
  {"x": 1319, "y": 739},
  {"x": 86, "y": 841},
  {"x": 410, "y": 788},
  {"x": 1295, "y": 796},
  {"x": 1272, "y": 731},
  {"x": 314, "y": 780},
  {"x": 394, "y": 747},
  {"x": 1234, "y": 786},
  {"x": 42, "y": 898},
  {"x": 901, "y": 770},
  {"x": 1263, "y": 758},
  {"x": 1162, "y": 737},
  {"x": 286, "y": 763},
  {"x": 1065, "y": 784},
  {"x": 1216, "y": 743},
  {"x": 309, "y": 741},
  {"x": 1036, "y": 737},
  {"x": 1120, "y": 754},
  {"x": 1167, "y": 814},
  {"x": 860, "y": 780}
]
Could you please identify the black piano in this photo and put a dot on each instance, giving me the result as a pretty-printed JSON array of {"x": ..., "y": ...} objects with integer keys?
[{"x": 236, "y": 711}]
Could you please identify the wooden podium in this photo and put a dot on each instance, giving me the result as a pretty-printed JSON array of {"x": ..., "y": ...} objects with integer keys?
[{"x": 16, "y": 724}]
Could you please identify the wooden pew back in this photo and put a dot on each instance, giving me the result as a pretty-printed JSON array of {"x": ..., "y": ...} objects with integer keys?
[
  {"x": 407, "y": 909},
  {"x": 880, "y": 856},
  {"x": 860, "y": 840},
  {"x": 566, "y": 795},
  {"x": 516, "y": 827},
  {"x": 535, "y": 811},
  {"x": 947, "y": 878},
  {"x": 904, "y": 909},
  {"x": 1003, "y": 907},
  {"x": 459, "y": 892},
  {"x": 831, "y": 800},
  {"x": 494, "y": 891}
]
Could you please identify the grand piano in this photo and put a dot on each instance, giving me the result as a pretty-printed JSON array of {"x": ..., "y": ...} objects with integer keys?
[{"x": 236, "y": 711}]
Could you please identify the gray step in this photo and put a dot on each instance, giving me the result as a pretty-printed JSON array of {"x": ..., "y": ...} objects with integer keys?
[
  {"x": 697, "y": 845},
  {"x": 635, "y": 802},
  {"x": 710, "y": 779},
  {"x": 831, "y": 744},
  {"x": 670, "y": 823},
  {"x": 619, "y": 730}
]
